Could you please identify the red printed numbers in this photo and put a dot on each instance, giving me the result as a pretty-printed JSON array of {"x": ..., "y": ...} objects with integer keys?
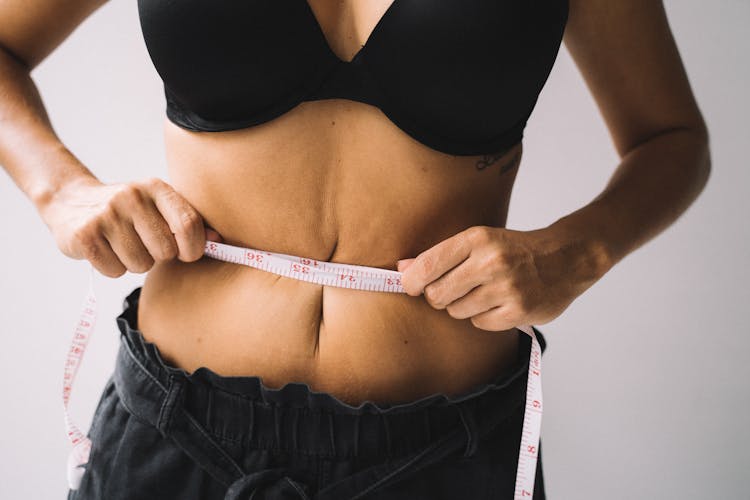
[
  {"x": 252, "y": 256},
  {"x": 299, "y": 268}
]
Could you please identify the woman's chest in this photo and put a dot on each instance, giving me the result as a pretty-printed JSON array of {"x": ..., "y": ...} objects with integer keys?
[{"x": 459, "y": 76}]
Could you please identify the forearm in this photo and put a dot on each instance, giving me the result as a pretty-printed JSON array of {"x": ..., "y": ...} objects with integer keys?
[
  {"x": 653, "y": 185},
  {"x": 30, "y": 151}
]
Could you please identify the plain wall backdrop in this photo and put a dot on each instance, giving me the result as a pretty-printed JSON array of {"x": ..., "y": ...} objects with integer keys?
[{"x": 646, "y": 375}]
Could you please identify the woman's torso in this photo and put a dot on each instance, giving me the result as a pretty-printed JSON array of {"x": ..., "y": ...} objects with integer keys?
[{"x": 333, "y": 180}]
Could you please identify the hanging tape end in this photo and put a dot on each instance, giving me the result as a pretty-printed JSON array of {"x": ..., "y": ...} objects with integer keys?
[{"x": 76, "y": 467}]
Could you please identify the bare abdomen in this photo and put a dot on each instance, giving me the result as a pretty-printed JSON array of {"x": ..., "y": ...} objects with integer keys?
[{"x": 356, "y": 191}]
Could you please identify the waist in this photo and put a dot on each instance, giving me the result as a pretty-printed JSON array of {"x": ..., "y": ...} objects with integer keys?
[
  {"x": 228, "y": 403},
  {"x": 356, "y": 344}
]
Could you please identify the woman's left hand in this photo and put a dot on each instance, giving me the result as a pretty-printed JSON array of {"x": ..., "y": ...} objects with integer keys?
[{"x": 498, "y": 277}]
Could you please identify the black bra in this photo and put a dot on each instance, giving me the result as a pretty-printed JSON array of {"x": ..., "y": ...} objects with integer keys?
[{"x": 459, "y": 76}]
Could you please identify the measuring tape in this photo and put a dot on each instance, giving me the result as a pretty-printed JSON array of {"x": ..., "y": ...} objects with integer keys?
[{"x": 322, "y": 273}]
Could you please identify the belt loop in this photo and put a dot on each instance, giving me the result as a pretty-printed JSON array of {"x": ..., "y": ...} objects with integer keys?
[
  {"x": 387, "y": 435},
  {"x": 357, "y": 418},
  {"x": 171, "y": 400},
  {"x": 295, "y": 430},
  {"x": 331, "y": 431},
  {"x": 210, "y": 408},
  {"x": 251, "y": 425},
  {"x": 471, "y": 430},
  {"x": 427, "y": 424},
  {"x": 277, "y": 426}
]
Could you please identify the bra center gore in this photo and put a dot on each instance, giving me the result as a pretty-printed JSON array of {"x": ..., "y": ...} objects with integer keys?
[{"x": 373, "y": 32}]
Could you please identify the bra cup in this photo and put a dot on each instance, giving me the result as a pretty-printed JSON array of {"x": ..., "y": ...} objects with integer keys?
[
  {"x": 471, "y": 79},
  {"x": 459, "y": 76},
  {"x": 224, "y": 61}
]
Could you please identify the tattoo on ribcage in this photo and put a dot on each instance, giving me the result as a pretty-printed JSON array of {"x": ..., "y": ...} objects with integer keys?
[{"x": 488, "y": 160}]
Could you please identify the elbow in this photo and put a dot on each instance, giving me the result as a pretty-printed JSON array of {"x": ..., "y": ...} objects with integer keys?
[
  {"x": 702, "y": 146},
  {"x": 690, "y": 147}
]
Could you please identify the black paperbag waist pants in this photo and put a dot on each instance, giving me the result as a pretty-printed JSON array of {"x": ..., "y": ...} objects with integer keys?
[{"x": 161, "y": 433}]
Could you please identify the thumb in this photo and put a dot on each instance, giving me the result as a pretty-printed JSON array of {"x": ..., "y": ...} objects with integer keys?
[
  {"x": 403, "y": 264},
  {"x": 212, "y": 235}
]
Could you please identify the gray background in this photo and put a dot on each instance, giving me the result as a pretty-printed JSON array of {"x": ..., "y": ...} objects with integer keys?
[{"x": 646, "y": 376}]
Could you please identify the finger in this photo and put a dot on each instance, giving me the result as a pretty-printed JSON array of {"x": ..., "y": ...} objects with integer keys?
[
  {"x": 213, "y": 235},
  {"x": 128, "y": 246},
  {"x": 402, "y": 264},
  {"x": 154, "y": 232},
  {"x": 99, "y": 252},
  {"x": 436, "y": 261},
  {"x": 480, "y": 299},
  {"x": 495, "y": 319},
  {"x": 455, "y": 284},
  {"x": 183, "y": 220}
]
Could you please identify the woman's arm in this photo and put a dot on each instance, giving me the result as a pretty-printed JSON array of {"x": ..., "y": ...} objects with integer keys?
[
  {"x": 501, "y": 278},
  {"x": 30, "y": 151},
  {"x": 118, "y": 227},
  {"x": 628, "y": 58}
]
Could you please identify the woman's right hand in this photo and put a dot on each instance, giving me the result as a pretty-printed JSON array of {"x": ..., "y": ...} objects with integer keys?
[{"x": 125, "y": 226}]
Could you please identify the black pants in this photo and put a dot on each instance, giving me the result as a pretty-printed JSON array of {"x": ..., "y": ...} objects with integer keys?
[{"x": 161, "y": 433}]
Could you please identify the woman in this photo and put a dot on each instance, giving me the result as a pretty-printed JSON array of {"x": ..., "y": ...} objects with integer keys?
[{"x": 383, "y": 134}]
